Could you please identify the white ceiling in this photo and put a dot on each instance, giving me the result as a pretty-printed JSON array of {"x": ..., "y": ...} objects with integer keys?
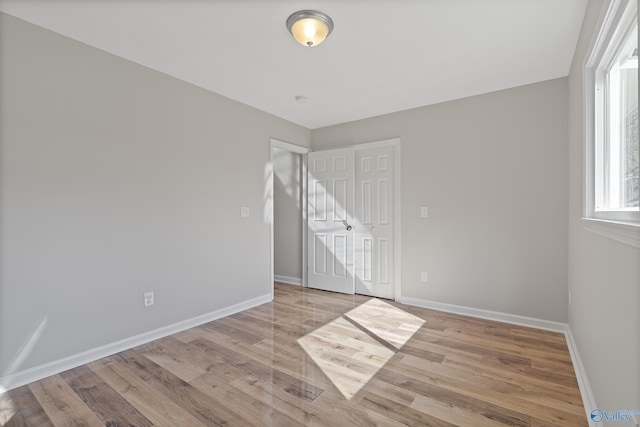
[{"x": 383, "y": 55}]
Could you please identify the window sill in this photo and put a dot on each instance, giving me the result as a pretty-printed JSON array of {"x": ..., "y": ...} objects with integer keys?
[{"x": 625, "y": 232}]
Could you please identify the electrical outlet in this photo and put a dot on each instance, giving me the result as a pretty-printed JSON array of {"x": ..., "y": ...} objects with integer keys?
[
  {"x": 148, "y": 299},
  {"x": 244, "y": 212},
  {"x": 424, "y": 277},
  {"x": 570, "y": 298},
  {"x": 424, "y": 212}
]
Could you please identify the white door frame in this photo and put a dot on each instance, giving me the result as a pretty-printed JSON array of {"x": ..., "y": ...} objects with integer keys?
[
  {"x": 397, "y": 235},
  {"x": 293, "y": 148}
]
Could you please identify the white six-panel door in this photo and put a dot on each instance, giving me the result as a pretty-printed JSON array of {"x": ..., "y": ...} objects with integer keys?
[
  {"x": 351, "y": 216},
  {"x": 329, "y": 216},
  {"x": 374, "y": 222}
]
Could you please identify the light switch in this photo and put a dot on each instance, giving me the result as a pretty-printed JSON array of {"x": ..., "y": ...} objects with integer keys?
[
  {"x": 424, "y": 212},
  {"x": 244, "y": 212}
]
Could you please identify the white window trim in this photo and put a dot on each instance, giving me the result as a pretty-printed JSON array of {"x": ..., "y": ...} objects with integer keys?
[
  {"x": 616, "y": 230},
  {"x": 619, "y": 227}
]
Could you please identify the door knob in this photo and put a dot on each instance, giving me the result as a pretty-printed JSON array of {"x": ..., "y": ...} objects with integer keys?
[{"x": 349, "y": 228}]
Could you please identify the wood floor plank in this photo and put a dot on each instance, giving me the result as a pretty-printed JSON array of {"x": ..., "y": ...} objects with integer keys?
[
  {"x": 453, "y": 414},
  {"x": 274, "y": 395},
  {"x": 557, "y": 386},
  {"x": 281, "y": 363},
  {"x": 186, "y": 336},
  {"x": 235, "y": 365},
  {"x": 61, "y": 404},
  {"x": 254, "y": 410},
  {"x": 163, "y": 354},
  {"x": 423, "y": 378},
  {"x": 198, "y": 404},
  {"x": 406, "y": 415},
  {"x": 480, "y": 339},
  {"x": 317, "y": 358},
  {"x": 339, "y": 412},
  {"x": 508, "y": 366},
  {"x": 155, "y": 406},
  {"x": 102, "y": 399},
  {"x": 222, "y": 326},
  {"x": 20, "y": 408},
  {"x": 456, "y": 397}
]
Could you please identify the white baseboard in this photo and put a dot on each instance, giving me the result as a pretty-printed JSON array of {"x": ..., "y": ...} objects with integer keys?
[
  {"x": 514, "y": 319},
  {"x": 588, "y": 400},
  {"x": 289, "y": 280},
  {"x": 36, "y": 373}
]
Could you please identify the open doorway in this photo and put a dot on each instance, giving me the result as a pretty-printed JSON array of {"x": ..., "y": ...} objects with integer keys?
[{"x": 288, "y": 165}]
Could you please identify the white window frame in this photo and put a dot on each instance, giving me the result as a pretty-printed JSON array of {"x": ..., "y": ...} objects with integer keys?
[{"x": 615, "y": 22}]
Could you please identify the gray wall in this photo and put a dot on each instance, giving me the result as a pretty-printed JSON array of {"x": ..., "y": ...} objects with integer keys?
[
  {"x": 604, "y": 275},
  {"x": 115, "y": 180},
  {"x": 287, "y": 221},
  {"x": 492, "y": 169}
]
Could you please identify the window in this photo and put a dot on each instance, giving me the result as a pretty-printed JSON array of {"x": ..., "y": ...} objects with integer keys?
[
  {"x": 613, "y": 152},
  {"x": 616, "y": 139}
]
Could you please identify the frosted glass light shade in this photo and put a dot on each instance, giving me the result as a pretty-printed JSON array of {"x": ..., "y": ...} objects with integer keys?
[{"x": 309, "y": 27}]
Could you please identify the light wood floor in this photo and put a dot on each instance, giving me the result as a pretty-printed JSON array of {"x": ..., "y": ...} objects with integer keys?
[{"x": 319, "y": 358}]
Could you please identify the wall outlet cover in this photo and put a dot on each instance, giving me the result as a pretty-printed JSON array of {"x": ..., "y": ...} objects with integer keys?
[{"x": 148, "y": 299}]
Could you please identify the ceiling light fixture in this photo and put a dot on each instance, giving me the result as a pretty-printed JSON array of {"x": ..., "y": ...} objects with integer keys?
[{"x": 309, "y": 27}]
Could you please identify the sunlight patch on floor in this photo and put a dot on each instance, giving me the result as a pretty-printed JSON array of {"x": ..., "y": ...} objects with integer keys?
[
  {"x": 350, "y": 349},
  {"x": 389, "y": 323},
  {"x": 7, "y": 409}
]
